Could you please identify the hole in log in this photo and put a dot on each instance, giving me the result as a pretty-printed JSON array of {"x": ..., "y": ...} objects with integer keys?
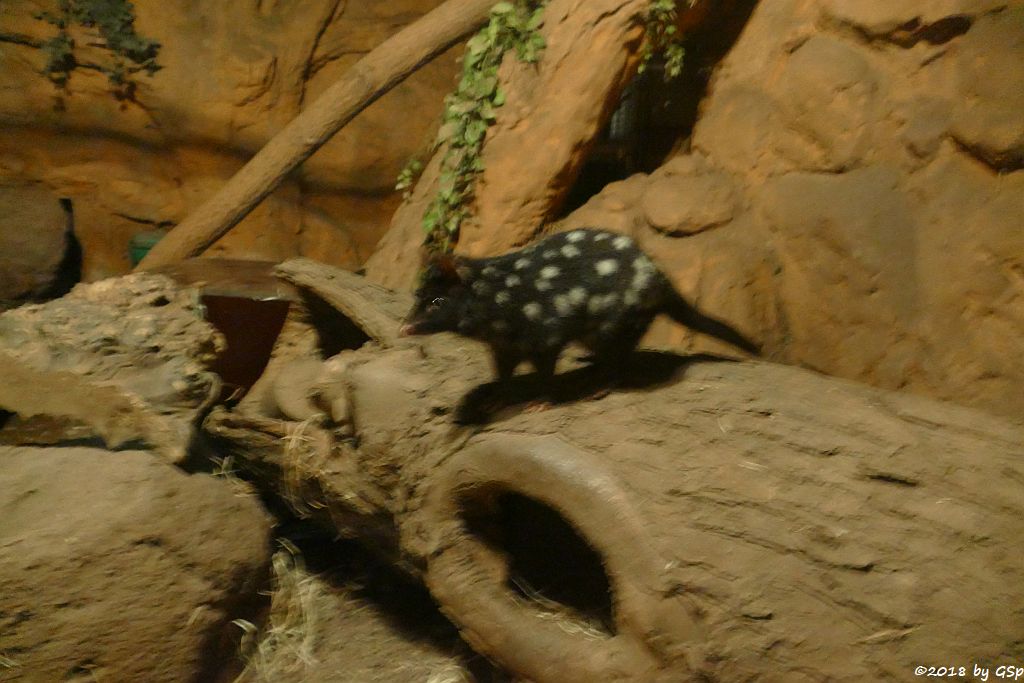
[
  {"x": 550, "y": 566},
  {"x": 250, "y": 327},
  {"x": 334, "y": 331}
]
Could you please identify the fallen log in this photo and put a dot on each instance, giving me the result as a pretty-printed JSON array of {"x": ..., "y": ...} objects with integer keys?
[{"x": 708, "y": 519}]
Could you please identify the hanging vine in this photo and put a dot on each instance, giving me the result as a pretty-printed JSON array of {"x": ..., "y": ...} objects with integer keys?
[
  {"x": 662, "y": 37},
  {"x": 470, "y": 111},
  {"x": 114, "y": 24}
]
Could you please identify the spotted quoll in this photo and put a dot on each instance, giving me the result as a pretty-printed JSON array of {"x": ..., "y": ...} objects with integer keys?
[{"x": 588, "y": 286}]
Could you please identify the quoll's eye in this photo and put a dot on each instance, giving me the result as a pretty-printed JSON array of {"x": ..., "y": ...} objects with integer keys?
[{"x": 437, "y": 302}]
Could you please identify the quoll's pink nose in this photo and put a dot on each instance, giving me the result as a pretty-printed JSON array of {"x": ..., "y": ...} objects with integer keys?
[{"x": 406, "y": 330}]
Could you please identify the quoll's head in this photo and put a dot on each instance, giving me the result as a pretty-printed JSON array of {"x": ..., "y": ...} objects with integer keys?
[{"x": 439, "y": 298}]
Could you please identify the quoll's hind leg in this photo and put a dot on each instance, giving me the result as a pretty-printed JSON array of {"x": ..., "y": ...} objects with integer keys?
[
  {"x": 488, "y": 398},
  {"x": 544, "y": 364},
  {"x": 505, "y": 363},
  {"x": 543, "y": 385},
  {"x": 611, "y": 350}
]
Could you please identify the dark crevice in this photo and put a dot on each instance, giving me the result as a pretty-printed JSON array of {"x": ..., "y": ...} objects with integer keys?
[
  {"x": 997, "y": 161},
  {"x": 912, "y": 32},
  {"x": 145, "y": 221},
  {"x": 889, "y": 478},
  {"x": 69, "y": 270},
  {"x": 335, "y": 331},
  {"x": 655, "y": 117}
]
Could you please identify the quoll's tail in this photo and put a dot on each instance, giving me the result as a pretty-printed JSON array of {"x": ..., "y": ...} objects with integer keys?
[{"x": 680, "y": 310}]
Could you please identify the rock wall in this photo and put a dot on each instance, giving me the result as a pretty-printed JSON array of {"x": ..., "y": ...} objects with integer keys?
[
  {"x": 853, "y": 195},
  {"x": 233, "y": 74}
]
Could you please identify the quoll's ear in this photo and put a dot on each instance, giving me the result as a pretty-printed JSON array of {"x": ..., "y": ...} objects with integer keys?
[{"x": 448, "y": 266}]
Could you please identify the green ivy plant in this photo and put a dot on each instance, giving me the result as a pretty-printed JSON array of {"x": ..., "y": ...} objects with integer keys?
[
  {"x": 662, "y": 37},
  {"x": 470, "y": 111},
  {"x": 114, "y": 21}
]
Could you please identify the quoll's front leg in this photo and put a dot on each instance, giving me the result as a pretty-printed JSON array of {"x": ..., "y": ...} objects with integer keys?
[{"x": 505, "y": 363}]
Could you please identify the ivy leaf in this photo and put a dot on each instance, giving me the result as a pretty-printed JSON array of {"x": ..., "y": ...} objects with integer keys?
[{"x": 475, "y": 131}]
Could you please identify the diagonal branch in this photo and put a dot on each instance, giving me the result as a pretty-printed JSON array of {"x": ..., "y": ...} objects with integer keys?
[{"x": 375, "y": 74}]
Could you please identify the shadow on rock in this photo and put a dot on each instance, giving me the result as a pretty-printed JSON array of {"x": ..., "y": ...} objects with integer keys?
[{"x": 640, "y": 371}]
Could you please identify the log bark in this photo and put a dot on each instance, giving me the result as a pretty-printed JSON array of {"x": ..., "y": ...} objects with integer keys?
[
  {"x": 125, "y": 360},
  {"x": 754, "y": 521},
  {"x": 372, "y": 76}
]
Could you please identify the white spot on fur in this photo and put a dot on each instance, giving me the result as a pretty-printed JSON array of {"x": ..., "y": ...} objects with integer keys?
[
  {"x": 621, "y": 242},
  {"x": 521, "y": 263},
  {"x": 643, "y": 271},
  {"x": 480, "y": 287},
  {"x": 562, "y": 304},
  {"x": 577, "y": 295},
  {"x": 548, "y": 272},
  {"x": 502, "y": 297},
  {"x": 575, "y": 236},
  {"x": 601, "y": 302},
  {"x": 606, "y": 266},
  {"x": 549, "y": 254},
  {"x": 569, "y": 251},
  {"x": 532, "y": 310},
  {"x": 601, "y": 237},
  {"x": 512, "y": 281},
  {"x": 543, "y": 285},
  {"x": 631, "y": 297},
  {"x": 490, "y": 271}
]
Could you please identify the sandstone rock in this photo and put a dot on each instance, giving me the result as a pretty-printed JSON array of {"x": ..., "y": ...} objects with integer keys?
[
  {"x": 687, "y": 197},
  {"x": 116, "y": 566},
  {"x": 847, "y": 246},
  {"x": 830, "y": 92},
  {"x": 989, "y": 95},
  {"x": 882, "y": 19},
  {"x": 34, "y": 239},
  {"x": 735, "y": 132}
]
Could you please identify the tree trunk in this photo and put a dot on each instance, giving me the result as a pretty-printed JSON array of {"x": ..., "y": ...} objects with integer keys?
[
  {"x": 705, "y": 520},
  {"x": 375, "y": 74}
]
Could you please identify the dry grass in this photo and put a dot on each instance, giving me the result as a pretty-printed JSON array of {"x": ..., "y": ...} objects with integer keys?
[
  {"x": 225, "y": 469},
  {"x": 299, "y": 450},
  {"x": 450, "y": 673},
  {"x": 564, "y": 618},
  {"x": 286, "y": 644}
]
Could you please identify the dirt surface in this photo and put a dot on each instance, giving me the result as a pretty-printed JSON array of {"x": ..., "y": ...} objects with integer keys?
[{"x": 120, "y": 567}]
